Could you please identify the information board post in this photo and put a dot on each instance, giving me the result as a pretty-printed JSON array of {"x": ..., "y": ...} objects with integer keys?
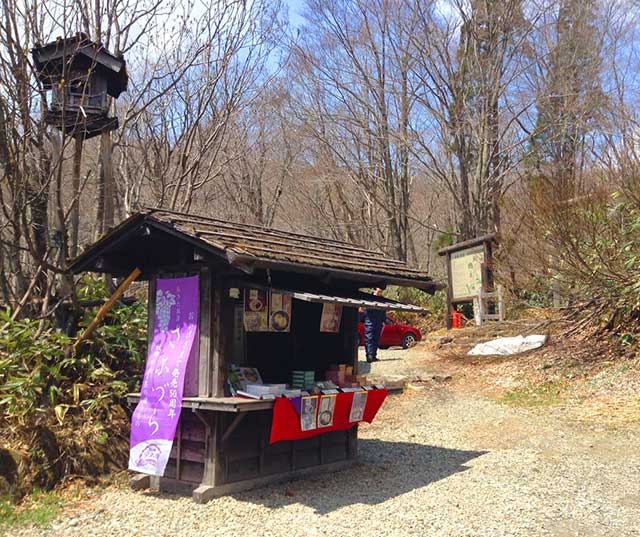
[{"x": 469, "y": 270}]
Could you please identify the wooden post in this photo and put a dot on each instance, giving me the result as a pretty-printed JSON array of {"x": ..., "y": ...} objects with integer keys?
[
  {"x": 449, "y": 321},
  {"x": 480, "y": 313},
  {"x": 217, "y": 374},
  {"x": 107, "y": 179},
  {"x": 350, "y": 337},
  {"x": 487, "y": 274},
  {"x": 221, "y": 336},
  {"x": 75, "y": 202},
  {"x": 102, "y": 312},
  {"x": 204, "y": 338},
  {"x": 178, "y": 444},
  {"x": 351, "y": 342},
  {"x": 151, "y": 309},
  {"x": 213, "y": 470}
]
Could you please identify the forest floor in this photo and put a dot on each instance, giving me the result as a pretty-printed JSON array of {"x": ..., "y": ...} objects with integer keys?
[
  {"x": 535, "y": 444},
  {"x": 577, "y": 379}
]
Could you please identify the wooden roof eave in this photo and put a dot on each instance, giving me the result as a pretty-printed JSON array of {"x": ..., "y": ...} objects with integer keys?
[
  {"x": 247, "y": 263},
  {"x": 87, "y": 259},
  {"x": 363, "y": 278},
  {"x": 114, "y": 236}
]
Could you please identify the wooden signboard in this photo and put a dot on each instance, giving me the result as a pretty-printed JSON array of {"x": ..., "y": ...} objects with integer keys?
[{"x": 468, "y": 270}]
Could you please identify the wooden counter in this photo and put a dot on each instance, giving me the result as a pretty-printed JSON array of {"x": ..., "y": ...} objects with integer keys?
[{"x": 219, "y": 404}]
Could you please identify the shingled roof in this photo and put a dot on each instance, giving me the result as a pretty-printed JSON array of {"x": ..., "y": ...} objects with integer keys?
[{"x": 256, "y": 246}]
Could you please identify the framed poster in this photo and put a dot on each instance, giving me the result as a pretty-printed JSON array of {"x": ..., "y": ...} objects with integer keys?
[
  {"x": 308, "y": 412},
  {"x": 256, "y": 310},
  {"x": 280, "y": 313},
  {"x": 466, "y": 272},
  {"x": 331, "y": 317},
  {"x": 326, "y": 410},
  {"x": 357, "y": 406}
]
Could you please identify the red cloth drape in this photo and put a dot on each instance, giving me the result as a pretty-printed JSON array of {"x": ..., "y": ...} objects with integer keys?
[{"x": 285, "y": 424}]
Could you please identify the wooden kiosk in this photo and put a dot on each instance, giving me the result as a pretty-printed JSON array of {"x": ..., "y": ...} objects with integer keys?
[{"x": 222, "y": 442}]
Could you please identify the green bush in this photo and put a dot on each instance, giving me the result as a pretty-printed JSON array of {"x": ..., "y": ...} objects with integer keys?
[
  {"x": 66, "y": 410},
  {"x": 586, "y": 248},
  {"x": 436, "y": 306}
]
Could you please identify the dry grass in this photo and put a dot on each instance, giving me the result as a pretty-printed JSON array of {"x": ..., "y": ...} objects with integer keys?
[{"x": 588, "y": 379}]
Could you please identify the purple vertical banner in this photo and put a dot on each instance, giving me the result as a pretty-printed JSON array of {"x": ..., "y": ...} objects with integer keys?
[{"x": 154, "y": 421}]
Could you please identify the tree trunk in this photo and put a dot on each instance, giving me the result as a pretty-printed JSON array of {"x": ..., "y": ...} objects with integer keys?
[
  {"x": 107, "y": 189},
  {"x": 74, "y": 220}
]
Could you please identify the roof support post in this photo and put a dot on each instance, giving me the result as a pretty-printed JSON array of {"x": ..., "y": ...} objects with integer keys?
[
  {"x": 221, "y": 334},
  {"x": 204, "y": 334}
]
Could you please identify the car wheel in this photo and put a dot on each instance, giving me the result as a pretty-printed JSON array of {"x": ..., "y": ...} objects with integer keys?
[{"x": 409, "y": 340}]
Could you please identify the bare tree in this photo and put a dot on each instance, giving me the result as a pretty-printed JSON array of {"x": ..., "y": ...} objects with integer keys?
[
  {"x": 261, "y": 152},
  {"x": 171, "y": 151},
  {"x": 570, "y": 100},
  {"x": 355, "y": 100},
  {"x": 192, "y": 67},
  {"x": 469, "y": 62}
]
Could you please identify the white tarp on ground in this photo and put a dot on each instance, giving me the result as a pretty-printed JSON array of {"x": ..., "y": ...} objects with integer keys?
[{"x": 508, "y": 345}]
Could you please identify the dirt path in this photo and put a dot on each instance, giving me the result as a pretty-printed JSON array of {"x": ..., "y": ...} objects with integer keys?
[{"x": 439, "y": 460}]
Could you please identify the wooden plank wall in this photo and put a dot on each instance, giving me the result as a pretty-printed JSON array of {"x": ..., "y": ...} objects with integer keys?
[
  {"x": 187, "y": 459},
  {"x": 247, "y": 454}
]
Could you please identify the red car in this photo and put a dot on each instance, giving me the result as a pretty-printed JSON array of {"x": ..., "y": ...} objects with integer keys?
[{"x": 394, "y": 334}]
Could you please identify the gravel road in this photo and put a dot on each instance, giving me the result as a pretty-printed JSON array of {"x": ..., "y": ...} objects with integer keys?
[{"x": 436, "y": 462}]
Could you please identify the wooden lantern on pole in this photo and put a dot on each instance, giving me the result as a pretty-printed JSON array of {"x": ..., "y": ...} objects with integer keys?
[{"x": 80, "y": 76}]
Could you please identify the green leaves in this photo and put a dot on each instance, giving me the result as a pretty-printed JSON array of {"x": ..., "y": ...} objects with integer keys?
[{"x": 38, "y": 377}]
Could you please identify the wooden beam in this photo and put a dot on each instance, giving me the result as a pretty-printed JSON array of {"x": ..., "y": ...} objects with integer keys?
[
  {"x": 205, "y": 334},
  {"x": 448, "y": 320},
  {"x": 221, "y": 335},
  {"x": 448, "y": 250},
  {"x": 232, "y": 426},
  {"x": 102, "y": 312},
  {"x": 151, "y": 309}
]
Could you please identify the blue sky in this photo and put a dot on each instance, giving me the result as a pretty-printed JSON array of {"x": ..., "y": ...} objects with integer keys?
[{"x": 295, "y": 9}]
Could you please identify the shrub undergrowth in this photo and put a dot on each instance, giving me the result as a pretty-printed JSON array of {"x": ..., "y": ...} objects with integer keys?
[{"x": 61, "y": 413}]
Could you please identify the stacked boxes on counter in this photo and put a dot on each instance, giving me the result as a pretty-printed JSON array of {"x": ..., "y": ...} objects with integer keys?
[
  {"x": 342, "y": 375},
  {"x": 265, "y": 389},
  {"x": 304, "y": 380}
]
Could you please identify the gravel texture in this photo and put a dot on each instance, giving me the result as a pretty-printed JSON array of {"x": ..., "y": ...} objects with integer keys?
[{"x": 436, "y": 462}]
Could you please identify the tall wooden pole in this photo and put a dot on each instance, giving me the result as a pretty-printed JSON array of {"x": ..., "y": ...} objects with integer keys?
[
  {"x": 107, "y": 179},
  {"x": 75, "y": 203}
]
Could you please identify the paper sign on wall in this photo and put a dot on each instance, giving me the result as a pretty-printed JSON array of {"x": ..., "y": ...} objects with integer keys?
[
  {"x": 331, "y": 316},
  {"x": 280, "y": 313},
  {"x": 256, "y": 310},
  {"x": 357, "y": 406},
  {"x": 326, "y": 410},
  {"x": 308, "y": 412},
  {"x": 154, "y": 421}
]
